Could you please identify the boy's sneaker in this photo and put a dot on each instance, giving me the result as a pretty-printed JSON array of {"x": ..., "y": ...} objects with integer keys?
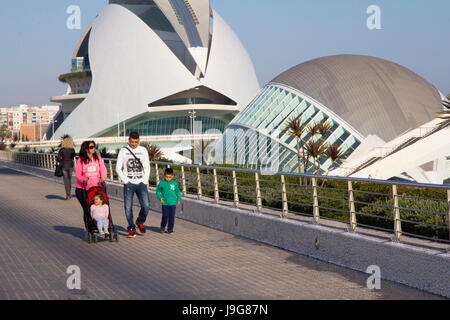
[
  {"x": 163, "y": 230},
  {"x": 141, "y": 229},
  {"x": 169, "y": 232},
  {"x": 131, "y": 234}
]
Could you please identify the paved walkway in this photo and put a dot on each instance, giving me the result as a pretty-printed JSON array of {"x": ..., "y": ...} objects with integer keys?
[{"x": 41, "y": 236}]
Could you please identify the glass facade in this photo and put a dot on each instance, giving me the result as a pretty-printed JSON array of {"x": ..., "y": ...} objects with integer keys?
[
  {"x": 167, "y": 126},
  {"x": 78, "y": 64},
  {"x": 257, "y": 136}
]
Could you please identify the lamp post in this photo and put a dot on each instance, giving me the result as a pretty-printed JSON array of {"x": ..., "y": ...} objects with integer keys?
[
  {"x": 192, "y": 116},
  {"x": 53, "y": 129},
  {"x": 118, "y": 126}
]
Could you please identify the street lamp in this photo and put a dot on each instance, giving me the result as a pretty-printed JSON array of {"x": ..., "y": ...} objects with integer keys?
[
  {"x": 192, "y": 115},
  {"x": 53, "y": 129},
  {"x": 118, "y": 126}
]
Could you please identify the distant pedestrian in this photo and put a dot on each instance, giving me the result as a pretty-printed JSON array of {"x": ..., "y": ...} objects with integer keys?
[
  {"x": 133, "y": 169},
  {"x": 65, "y": 156},
  {"x": 90, "y": 171},
  {"x": 100, "y": 213},
  {"x": 169, "y": 194}
]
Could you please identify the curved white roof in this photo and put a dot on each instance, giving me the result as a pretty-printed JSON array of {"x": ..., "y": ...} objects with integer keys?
[{"x": 132, "y": 67}]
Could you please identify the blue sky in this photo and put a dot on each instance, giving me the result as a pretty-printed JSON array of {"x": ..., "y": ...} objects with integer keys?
[{"x": 37, "y": 46}]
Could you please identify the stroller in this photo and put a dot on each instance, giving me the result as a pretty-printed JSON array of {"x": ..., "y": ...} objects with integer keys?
[{"x": 92, "y": 233}]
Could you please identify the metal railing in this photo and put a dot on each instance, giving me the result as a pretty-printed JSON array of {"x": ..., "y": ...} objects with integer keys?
[{"x": 398, "y": 207}]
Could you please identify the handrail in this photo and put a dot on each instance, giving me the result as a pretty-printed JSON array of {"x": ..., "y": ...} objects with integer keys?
[{"x": 401, "y": 211}]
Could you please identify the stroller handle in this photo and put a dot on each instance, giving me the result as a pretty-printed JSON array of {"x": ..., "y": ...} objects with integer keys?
[{"x": 84, "y": 185}]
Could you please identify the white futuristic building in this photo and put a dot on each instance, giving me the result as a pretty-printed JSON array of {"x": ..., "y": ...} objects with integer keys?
[
  {"x": 151, "y": 66},
  {"x": 382, "y": 116}
]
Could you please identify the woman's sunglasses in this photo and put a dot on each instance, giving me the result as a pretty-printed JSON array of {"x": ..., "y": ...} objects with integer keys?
[{"x": 91, "y": 147}]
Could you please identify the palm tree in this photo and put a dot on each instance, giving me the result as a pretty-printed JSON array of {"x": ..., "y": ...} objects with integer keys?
[
  {"x": 154, "y": 152},
  {"x": 313, "y": 129},
  {"x": 323, "y": 127},
  {"x": 105, "y": 154},
  {"x": 316, "y": 149},
  {"x": 445, "y": 114},
  {"x": 295, "y": 129},
  {"x": 334, "y": 152}
]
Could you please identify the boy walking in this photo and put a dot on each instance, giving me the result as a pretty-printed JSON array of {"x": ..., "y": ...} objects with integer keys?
[
  {"x": 169, "y": 194},
  {"x": 133, "y": 168}
]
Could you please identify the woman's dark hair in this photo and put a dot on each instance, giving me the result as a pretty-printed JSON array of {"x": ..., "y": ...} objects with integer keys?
[
  {"x": 84, "y": 151},
  {"x": 101, "y": 196}
]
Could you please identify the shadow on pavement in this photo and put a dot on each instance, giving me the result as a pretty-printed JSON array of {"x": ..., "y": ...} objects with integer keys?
[
  {"x": 53, "y": 197},
  {"x": 12, "y": 172},
  {"x": 124, "y": 232},
  {"x": 76, "y": 232}
]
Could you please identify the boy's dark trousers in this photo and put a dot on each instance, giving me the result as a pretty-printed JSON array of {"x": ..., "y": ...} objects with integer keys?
[{"x": 168, "y": 215}]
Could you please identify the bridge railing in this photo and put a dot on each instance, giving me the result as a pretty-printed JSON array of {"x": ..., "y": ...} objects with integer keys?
[{"x": 398, "y": 207}]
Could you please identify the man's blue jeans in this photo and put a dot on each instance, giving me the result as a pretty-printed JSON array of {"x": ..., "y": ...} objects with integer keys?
[{"x": 141, "y": 191}]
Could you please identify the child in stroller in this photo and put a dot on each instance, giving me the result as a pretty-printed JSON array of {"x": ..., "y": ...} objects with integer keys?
[
  {"x": 98, "y": 218},
  {"x": 100, "y": 213}
]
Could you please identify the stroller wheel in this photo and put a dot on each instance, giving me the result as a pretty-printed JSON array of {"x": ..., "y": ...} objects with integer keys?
[
  {"x": 94, "y": 238},
  {"x": 116, "y": 237}
]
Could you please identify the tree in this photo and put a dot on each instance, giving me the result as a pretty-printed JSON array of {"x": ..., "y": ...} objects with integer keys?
[
  {"x": 154, "y": 152},
  {"x": 316, "y": 149},
  {"x": 295, "y": 128},
  {"x": 445, "y": 114},
  {"x": 105, "y": 154},
  {"x": 5, "y": 132}
]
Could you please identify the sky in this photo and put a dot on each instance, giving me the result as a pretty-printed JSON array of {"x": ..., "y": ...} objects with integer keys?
[{"x": 36, "y": 46}]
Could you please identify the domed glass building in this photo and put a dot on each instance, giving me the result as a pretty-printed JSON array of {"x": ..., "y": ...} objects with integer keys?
[{"x": 359, "y": 96}]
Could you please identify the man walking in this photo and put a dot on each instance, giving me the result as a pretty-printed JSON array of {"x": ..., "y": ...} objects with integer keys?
[{"x": 133, "y": 169}]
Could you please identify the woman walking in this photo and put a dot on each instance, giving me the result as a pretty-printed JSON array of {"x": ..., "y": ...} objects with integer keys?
[
  {"x": 90, "y": 171},
  {"x": 65, "y": 156}
]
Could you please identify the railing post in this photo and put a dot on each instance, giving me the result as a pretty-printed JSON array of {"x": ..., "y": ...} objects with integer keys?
[
  {"x": 397, "y": 220},
  {"x": 111, "y": 173},
  {"x": 284, "y": 197},
  {"x": 216, "y": 187},
  {"x": 199, "y": 184},
  {"x": 157, "y": 174},
  {"x": 448, "y": 215},
  {"x": 183, "y": 181},
  {"x": 351, "y": 204},
  {"x": 258, "y": 194},
  {"x": 53, "y": 161},
  {"x": 235, "y": 190},
  {"x": 316, "y": 214}
]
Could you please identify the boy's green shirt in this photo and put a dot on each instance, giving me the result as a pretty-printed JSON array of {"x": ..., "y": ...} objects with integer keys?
[{"x": 169, "y": 191}]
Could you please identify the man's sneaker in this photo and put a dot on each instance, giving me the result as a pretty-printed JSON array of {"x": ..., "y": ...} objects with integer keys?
[
  {"x": 131, "y": 234},
  {"x": 141, "y": 229}
]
